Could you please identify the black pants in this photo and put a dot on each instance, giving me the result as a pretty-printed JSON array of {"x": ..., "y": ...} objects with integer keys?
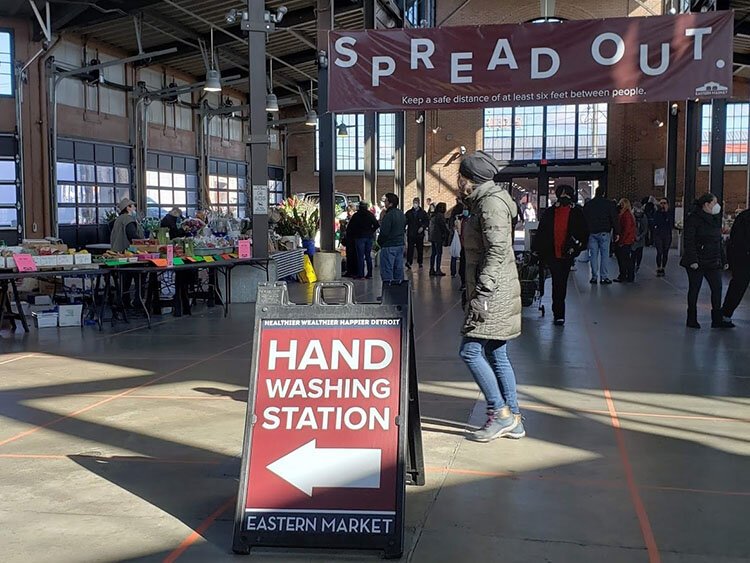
[
  {"x": 637, "y": 258},
  {"x": 695, "y": 281},
  {"x": 662, "y": 244},
  {"x": 417, "y": 242},
  {"x": 625, "y": 262},
  {"x": 736, "y": 291},
  {"x": 436, "y": 258},
  {"x": 560, "y": 270}
]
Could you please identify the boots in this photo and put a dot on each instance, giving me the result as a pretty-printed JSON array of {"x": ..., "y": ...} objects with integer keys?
[
  {"x": 692, "y": 318},
  {"x": 718, "y": 320}
]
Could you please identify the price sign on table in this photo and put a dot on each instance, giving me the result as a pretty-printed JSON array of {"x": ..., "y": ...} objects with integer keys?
[
  {"x": 25, "y": 262},
  {"x": 170, "y": 255},
  {"x": 244, "y": 248}
]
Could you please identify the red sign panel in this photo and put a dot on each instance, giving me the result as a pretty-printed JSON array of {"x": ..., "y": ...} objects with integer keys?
[
  {"x": 651, "y": 59},
  {"x": 324, "y": 442}
]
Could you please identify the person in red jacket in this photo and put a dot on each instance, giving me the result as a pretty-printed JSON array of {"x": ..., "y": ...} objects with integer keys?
[{"x": 625, "y": 242}]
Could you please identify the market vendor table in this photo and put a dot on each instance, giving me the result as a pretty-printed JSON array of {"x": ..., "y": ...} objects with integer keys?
[
  {"x": 8, "y": 290},
  {"x": 141, "y": 269}
]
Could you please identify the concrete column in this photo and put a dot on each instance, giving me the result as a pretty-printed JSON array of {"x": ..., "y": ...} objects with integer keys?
[
  {"x": 672, "y": 124},
  {"x": 325, "y": 127}
]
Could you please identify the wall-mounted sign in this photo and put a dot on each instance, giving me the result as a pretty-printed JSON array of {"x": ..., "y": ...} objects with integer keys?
[{"x": 650, "y": 59}]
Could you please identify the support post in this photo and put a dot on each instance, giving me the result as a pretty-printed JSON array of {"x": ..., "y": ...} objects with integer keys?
[
  {"x": 692, "y": 148},
  {"x": 370, "y": 177},
  {"x": 399, "y": 172},
  {"x": 258, "y": 140},
  {"x": 718, "y": 148},
  {"x": 672, "y": 124},
  {"x": 421, "y": 155},
  {"x": 325, "y": 127}
]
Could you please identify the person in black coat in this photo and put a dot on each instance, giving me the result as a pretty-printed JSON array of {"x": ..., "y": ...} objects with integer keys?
[
  {"x": 739, "y": 262},
  {"x": 663, "y": 225},
  {"x": 703, "y": 257},
  {"x": 170, "y": 222},
  {"x": 361, "y": 229},
  {"x": 562, "y": 235},
  {"x": 417, "y": 222}
]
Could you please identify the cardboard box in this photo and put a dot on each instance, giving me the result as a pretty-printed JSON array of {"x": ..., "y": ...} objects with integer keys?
[
  {"x": 81, "y": 259},
  {"x": 64, "y": 259},
  {"x": 8, "y": 263},
  {"x": 69, "y": 315},
  {"x": 45, "y": 320}
]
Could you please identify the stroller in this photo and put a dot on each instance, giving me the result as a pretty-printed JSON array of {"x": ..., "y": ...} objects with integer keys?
[{"x": 531, "y": 275}]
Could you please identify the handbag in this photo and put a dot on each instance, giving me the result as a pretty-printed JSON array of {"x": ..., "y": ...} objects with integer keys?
[{"x": 573, "y": 247}]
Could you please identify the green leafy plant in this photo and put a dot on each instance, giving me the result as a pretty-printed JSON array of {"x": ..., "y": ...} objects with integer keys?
[{"x": 110, "y": 216}]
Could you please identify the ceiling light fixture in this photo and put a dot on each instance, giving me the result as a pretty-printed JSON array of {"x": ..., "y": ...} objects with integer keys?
[
  {"x": 341, "y": 130},
  {"x": 213, "y": 76},
  {"x": 272, "y": 103}
]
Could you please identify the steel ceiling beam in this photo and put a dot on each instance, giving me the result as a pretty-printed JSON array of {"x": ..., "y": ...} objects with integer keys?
[
  {"x": 304, "y": 16},
  {"x": 105, "y": 11}
]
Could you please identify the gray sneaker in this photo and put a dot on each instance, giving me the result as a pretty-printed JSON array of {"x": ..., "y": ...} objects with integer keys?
[
  {"x": 499, "y": 423},
  {"x": 519, "y": 431}
]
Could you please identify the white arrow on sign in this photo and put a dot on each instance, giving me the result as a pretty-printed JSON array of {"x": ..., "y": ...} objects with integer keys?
[{"x": 349, "y": 468}]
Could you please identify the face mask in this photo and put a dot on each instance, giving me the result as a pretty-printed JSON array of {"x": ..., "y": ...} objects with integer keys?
[
  {"x": 716, "y": 209},
  {"x": 465, "y": 213},
  {"x": 565, "y": 199}
]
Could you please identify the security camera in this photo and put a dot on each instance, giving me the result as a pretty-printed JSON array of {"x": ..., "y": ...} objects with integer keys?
[
  {"x": 231, "y": 16},
  {"x": 280, "y": 13},
  {"x": 462, "y": 150}
]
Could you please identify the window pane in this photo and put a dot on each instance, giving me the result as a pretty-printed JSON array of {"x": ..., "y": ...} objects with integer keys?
[
  {"x": 8, "y": 194},
  {"x": 152, "y": 212},
  {"x": 87, "y": 215},
  {"x": 561, "y": 132},
  {"x": 192, "y": 181},
  {"x": 529, "y": 130},
  {"x": 165, "y": 197},
  {"x": 7, "y": 171},
  {"x": 179, "y": 197},
  {"x": 86, "y": 194},
  {"x": 386, "y": 141},
  {"x": 152, "y": 197},
  {"x": 122, "y": 193},
  {"x": 152, "y": 178},
  {"x": 105, "y": 174},
  {"x": 66, "y": 215},
  {"x": 106, "y": 194},
  {"x": 179, "y": 180},
  {"x": 165, "y": 179},
  {"x": 66, "y": 172},
  {"x": 66, "y": 193},
  {"x": 122, "y": 175},
  {"x": 592, "y": 130},
  {"x": 85, "y": 173},
  {"x": 737, "y": 124},
  {"x": 192, "y": 198},
  {"x": 8, "y": 218}
]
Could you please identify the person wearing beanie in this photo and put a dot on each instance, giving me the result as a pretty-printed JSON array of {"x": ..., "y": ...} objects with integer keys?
[
  {"x": 493, "y": 311},
  {"x": 562, "y": 235}
]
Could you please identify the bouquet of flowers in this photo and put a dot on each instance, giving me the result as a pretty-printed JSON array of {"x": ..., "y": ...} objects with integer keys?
[
  {"x": 192, "y": 226},
  {"x": 150, "y": 224}
]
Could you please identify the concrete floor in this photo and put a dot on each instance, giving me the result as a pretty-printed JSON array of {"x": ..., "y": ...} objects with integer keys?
[{"x": 124, "y": 445}]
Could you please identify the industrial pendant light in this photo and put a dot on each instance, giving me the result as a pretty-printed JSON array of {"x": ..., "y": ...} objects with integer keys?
[
  {"x": 311, "y": 118},
  {"x": 342, "y": 130},
  {"x": 213, "y": 76},
  {"x": 272, "y": 103}
]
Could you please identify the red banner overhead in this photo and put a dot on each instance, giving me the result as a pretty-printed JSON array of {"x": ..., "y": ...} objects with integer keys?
[{"x": 651, "y": 59}]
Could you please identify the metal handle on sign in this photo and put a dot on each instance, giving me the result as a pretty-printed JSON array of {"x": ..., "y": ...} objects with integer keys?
[{"x": 347, "y": 286}]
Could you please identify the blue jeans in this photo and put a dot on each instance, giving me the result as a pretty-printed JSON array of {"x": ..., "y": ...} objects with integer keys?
[
  {"x": 489, "y": 364},
  {"x": 392, "y": 263},
  {"x": 599, "y": 250},
  {"x": 436, "y": 257},
  {"x": 364, "y": 256}
]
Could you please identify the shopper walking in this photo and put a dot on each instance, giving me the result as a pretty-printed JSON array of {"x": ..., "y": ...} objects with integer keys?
[
  {"x": 649, "y": 209},
  {"x": 361, "y": 229},
  {"x": 493, "y": 313},
  {"x": 663, "y": 226},
  {"x": 417, "y": 222},
  {"x": 703, "y": 258},
  {"x": 625, "y": 242},
  {"x": 391, "y": 241},
  {"x": 439, "y": 235},
  {"x": 601, "y": 219},
  {"x": 642, "y": 229},
  {"x": 739, "y": 262},
  {"x": 561, "y": 237}
]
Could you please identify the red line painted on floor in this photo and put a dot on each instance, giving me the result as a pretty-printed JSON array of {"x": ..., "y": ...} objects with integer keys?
[
  {"x": 113, "y": 397},
  {"x": 199, "y": 531},
  {"x": 635, "y": 495}
]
